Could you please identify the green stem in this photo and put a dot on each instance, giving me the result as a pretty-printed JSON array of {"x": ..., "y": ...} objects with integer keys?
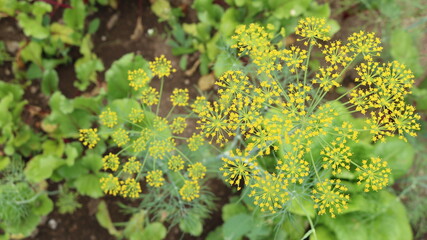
[
  {"x": 306, "y": 65},
  {"x": 161, "y": 93},
  {"x": 314, "y": 166},
  {"x": 309, "y": 219}
]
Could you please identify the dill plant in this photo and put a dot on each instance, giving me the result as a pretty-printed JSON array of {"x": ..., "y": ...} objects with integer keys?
[
  {"x": 275, "y": 107},
  {"x": 148, "y": 158}
]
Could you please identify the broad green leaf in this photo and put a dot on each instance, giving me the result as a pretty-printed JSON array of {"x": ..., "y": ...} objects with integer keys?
[
  {"x": 4, "y": 162},
  {"x": 215, "y": 234},
  {"x": 104, "y": 219},
  {"x": 237, "y": 226},
  {"x": 225, "y": 62},
  {"x": 191, "y": 224},
  {"x": 335, "y": 26},
  {"x": 32, "y": 52},
  {"x": 135, "y": 224},
  {"x": 75, "y": 17},
  {"x": 318, "y": 10},
  {"x": 93, "y": 162},
  {"x": 302, "y": 206},
  {"x": 93, "y": 26},
  {"x": 43, "y": 205},
  {"x": 26, "y": 226},
  {"x": 63, "y": 33},
  {"x": 228, "y": 22},
  {"x": 88, "y": 185},
  {"x": 72, "y": 172},
  {"x": 60, "y": 103},
  {"x": 34, "y": 71},
  {"x": 201, "y": 5},
  {"x": 51, "y": 147},
  {"x": 32, "y": 27},
  {"x": 404, "y": 49},
  {"x": 8, "y": 7},
  {"x": 117, "y": 75},
  {"x": 154, "y": 231},
  {"x": 397, "y": 153},
  {"x": 86, "y": 68},
  {"x": 420, "y": 96},
  {"x": 232, "y": 209},
  {"x": 388, "y": 221},
  {"x": 291, "y": 8},
  {"x": 323, "y": 233},
  {"x": 41, "y": 167},
  {"x": 49, "y": 82},
  {"x": 162, "y": 9},
  {"x": 294, "y": 227},
  {"x": 71, "y": 153},
  {"x": 88, "y": 104}
]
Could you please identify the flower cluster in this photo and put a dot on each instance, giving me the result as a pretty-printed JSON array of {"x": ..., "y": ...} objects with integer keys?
[
  {"x": 374, "y": 175},
  {"x": 138, "y": 78},
  {"x": 161, "y": 67},
  {"x": 89, "y": 137},
  {"x": 269, "y": 117},
  {"x": 145, "y": 146}
]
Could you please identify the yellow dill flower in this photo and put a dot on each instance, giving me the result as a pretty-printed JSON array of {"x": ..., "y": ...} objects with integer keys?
[
  {"x": 214, "y": 124},
  {"x": 160, "y": 124},
  {"x": 294, "y": 58},
  {"x": 140, "y": 143},
  {"x": 190, "y": 190},
  {"x": 326, "y": 78},
  {"x": 360, "y": 98},
  {"x": 347, "y": 131},
  {"x": 195, "y": 141},
  {"x": 239, "y": 167},
  {"x": 196, "y": 171},
  {"x": 176, "y": 163},
  {"x": 110, "y": 185},
  {"x": 337, "y": 156},
  {"x": 329, "y": 197},
  {"x": 159, "y": 149},
  {"x": 132, "y": 166},
  {"x": 312, "y": 29},
  {"x": 255, "y": 41},
  {"x": 155, "y": 178},
  {"x": 161, "y": 67},
  {"x": 108, "y": 118},
  {"x": 120, "y": 137},
  {"x": 179, "y": 97},
  {"x": 405, "y": 120},
  {"x": 293, "y": 165},
  {"x": 199, "y": 105},
  {"x": 130, "y": 188},
  {"x": 233, "y": 84},
  {"x": 89, "y": 137},
  {"x": 149, "y": 96},
  {"x": 269, "y": 192},
  {"x": 261, "y": 139},
  {"x": 364, "y": 43},
  {"x": 369, "y": 73},
  {"x": 111, "y": 161},
  {"x": 136, "y": 115},
  {"x": 252, "y": 38},
  {"x": 336, "y": 53},
  {"x": 178, "y": 125},
  {"x": 374, "y": 175},
  {"x": 395, "y": 81},
  {"x": 138, "y": 78}
]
